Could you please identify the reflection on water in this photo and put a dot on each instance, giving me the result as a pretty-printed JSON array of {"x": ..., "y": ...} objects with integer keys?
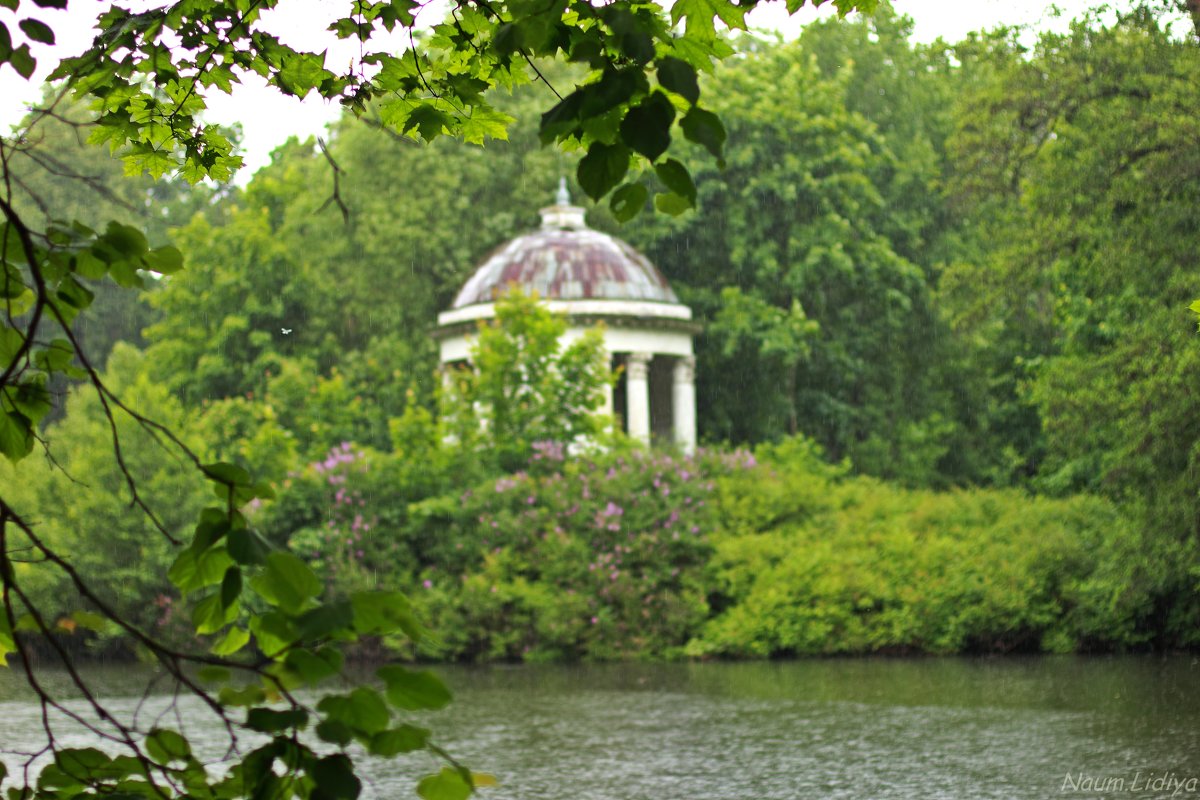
[{"x": 926, "y": 728}]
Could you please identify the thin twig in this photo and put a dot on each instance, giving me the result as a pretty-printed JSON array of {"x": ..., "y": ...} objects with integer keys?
[{"x": 336, "y": 197}]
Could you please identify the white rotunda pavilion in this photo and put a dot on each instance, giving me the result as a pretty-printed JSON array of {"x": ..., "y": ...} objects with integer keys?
[{"x": 592, "y": 277}]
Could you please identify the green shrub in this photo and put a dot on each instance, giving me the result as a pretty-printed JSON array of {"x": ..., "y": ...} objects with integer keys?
[{"x": 811, "y": 562}]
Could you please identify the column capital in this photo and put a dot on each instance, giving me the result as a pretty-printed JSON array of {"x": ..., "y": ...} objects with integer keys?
[{"x": 638, "y": 366}]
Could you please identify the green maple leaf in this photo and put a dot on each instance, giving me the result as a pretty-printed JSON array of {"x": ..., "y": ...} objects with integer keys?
[
  {"x": 221, "y": 76},
  {"x": 485, "y": 122},
  {"x": 429, "y": 122},
  {"x": 144, "y": 158},
  {"x": 301, "y": 72},
  {"x": 700, "y": 15}
]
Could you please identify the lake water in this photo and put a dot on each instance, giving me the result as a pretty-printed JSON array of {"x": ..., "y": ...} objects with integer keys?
[{"x": 871, "y": 728}]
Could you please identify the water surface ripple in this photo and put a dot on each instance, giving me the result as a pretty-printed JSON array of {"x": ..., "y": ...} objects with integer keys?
[{"x": 873, "y": 728}]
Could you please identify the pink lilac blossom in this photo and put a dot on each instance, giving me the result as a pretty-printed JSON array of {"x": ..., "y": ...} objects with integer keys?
[{"x": 548, "y": 451}]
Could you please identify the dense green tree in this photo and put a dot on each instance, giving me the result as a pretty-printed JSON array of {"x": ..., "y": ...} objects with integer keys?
[
  {"x": 56, "y": 175},
  {"x": 80, "y": 500},
  {"x": 800, "y": 220},
  {"x": 420, "y": 217},
  {"x": 243, "y": 305},
  {"x": 525, "y": 385},
  {"x": 1098, "y": 169},
  {"x": 906, "y": 89},
  {"x": 1089, "y": 179},
  {"x": 356, "y": 294}
]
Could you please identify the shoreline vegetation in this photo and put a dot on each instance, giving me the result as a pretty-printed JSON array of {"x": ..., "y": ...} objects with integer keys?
[{"x": 731, "y": 554}]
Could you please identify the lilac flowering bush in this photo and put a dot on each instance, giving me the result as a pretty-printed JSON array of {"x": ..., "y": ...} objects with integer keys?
[
  {"x": 347, "y": 516},
  {"x": 598, "y": 558},
  {"x": 347, "y": 512},
  {"x": 337, "y": 548},
  {"x": 628, "y": 553}
]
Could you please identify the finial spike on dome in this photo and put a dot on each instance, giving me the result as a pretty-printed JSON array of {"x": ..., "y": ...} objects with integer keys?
[{"x": 563, "y": 215}]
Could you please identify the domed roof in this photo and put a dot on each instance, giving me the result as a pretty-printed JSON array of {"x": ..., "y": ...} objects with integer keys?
[{"x": 566, "y": 260}]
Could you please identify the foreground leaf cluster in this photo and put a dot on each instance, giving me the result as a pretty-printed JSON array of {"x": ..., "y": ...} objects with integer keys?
[{"x": 149, "y": 71}]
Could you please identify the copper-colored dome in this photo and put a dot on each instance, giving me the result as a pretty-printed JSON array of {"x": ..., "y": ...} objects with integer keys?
[{"x": 566, "y": 260}]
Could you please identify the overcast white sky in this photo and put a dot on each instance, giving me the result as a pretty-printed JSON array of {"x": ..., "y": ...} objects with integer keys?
[{"x": 268, "y": 117}]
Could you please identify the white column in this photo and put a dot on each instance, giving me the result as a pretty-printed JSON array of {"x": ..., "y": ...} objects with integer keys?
[
  {"x": 683, "y": 399},
  {"x": 606, "y": 405},
  {"x": 637, "y": 396}
]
